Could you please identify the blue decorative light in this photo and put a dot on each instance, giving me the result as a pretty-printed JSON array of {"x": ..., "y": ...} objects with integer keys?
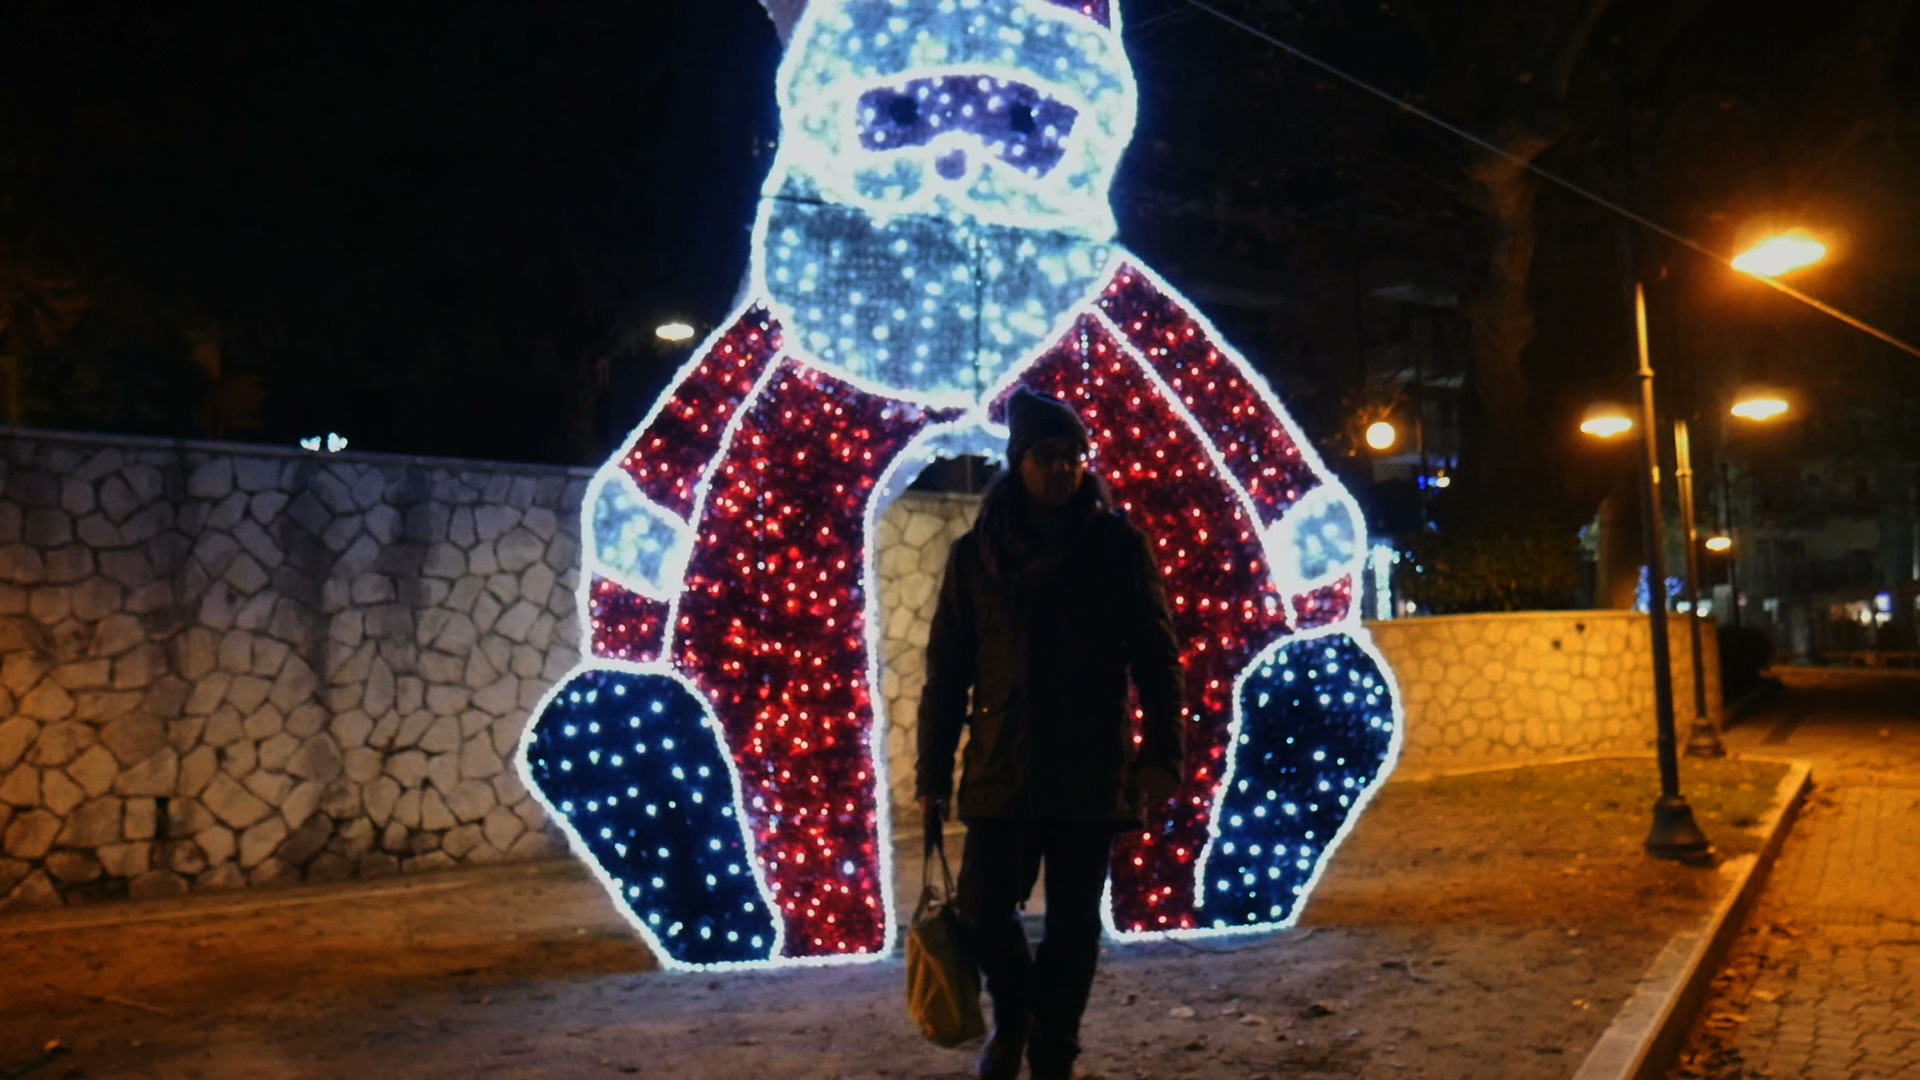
[
  {"x": 1315, "y": 733},
  {"x": 635, "y": 770}
]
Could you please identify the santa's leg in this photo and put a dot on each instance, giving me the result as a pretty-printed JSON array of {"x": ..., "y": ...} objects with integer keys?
[
  {"x": 624, "y": 752},
  {"x": 772, "y": 628}
]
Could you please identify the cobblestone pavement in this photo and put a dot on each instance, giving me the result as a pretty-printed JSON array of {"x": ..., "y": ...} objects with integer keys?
[{"x": 1825, "y": 980}]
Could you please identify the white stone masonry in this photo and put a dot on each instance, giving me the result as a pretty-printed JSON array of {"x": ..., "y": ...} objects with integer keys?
[{"x": 225, "y": 666}]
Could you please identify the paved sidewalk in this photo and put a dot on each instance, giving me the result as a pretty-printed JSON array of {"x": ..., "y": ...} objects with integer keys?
[
  {"x": 1825, "y": 981},
  {"x": 1472, "y": 928}
]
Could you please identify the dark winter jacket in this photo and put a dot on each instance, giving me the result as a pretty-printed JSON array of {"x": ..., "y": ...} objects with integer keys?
[{"x": 1047, "y": 662}]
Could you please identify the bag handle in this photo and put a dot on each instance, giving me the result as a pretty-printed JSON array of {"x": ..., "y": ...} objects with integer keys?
[{"x": 936, "y": 843}]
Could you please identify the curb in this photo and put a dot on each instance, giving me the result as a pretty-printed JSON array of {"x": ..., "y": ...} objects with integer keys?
[{"x": 1647, "y": 1033}]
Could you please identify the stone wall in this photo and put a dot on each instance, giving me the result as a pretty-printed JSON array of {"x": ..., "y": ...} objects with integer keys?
[
  {"x": 915, "y": 534},
  {"x": 1505, "y": 689},
  {"x": 223, "y": 666}
]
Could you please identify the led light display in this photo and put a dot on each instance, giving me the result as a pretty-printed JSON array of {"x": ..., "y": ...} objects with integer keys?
[{"x": 934, "y": 232}]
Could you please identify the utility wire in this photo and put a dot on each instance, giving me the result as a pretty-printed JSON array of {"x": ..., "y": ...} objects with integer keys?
[{"x": 1553, "y": 178}]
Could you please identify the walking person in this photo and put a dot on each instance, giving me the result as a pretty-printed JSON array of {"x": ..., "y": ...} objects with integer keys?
[{"x": 1049, "y": 605}]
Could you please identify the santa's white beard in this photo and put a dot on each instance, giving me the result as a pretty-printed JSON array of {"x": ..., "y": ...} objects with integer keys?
[{"x": 928, "y": 307}]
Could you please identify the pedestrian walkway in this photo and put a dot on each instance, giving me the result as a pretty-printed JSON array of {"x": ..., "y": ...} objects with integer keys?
[{"x": 1824, "y": 983}]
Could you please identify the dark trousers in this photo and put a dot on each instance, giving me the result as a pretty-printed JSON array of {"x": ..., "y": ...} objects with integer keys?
[{"x": 1001, "y": 862}]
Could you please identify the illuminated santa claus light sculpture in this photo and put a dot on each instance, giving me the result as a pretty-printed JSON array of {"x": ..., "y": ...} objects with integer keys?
[{"x": 934, "y": 232}]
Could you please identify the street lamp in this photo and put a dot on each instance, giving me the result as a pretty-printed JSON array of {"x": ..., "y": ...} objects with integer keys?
[
  {"x": 1381, "y": 435},
  {"x": 674, "y": 332},
  {"x": 1606, "y": 419},
  {"x": 1776, "y": 255},
  {"x": 1758, "y": 404},
  {"x": 1719, "y": 545},
  {"x": 1674, "y": 835}
]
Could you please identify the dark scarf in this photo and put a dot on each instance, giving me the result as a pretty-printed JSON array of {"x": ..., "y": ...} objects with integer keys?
[{"x": 1018, "y": 550}]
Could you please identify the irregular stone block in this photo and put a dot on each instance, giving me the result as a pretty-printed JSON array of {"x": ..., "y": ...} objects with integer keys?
[
  {"x": 245, "y": 575},
  {"x": 211, "y": 480},
  {"x": 260, "y": 841},
  {"x": 84, "y": 675},
  {"x": 248, "y": 692},
  {"x": 117, "y": 634},
  {"x": 59, "y": 793},
  {"x": 295, "y": 685},
  {"x": 58, "y": 743},
  {"x": 380, "y": 797},
  {"x": 16, "y": 734},
  {"x": 362, "y": 764},
  {"x": 157, "y": 885},
  {"x": 126, "y": 860},
  {"x": 434, "y": 815},
  {"x": 223, "y": 877},
  {"x": 264, "y": 723},
  {"x": 409, "y": 767},
  {"x": 406, "y": 816},
  {"x": 30, "y": 834},
  {"x": 238, "y": 759},
  {"x": 73, "y": 867},
  {"x": 94, "y": 770},
  {"x": 93, "y": 825},
  {"x": 197, "y": 770},
  {"x": 317, "y": 759},
  {"x": 48, "y": 701},
  {"x": 233, "y": 804},
  {"x": 135, "y": 738},
  {"x": 69, "y": 564},
  {"x": 35, "y": 892},
  {"x": 443, "y": 771},
  {"x": 45, "y": 529},
  {"x": 142, "y": 820},
  {"x": 276, "y": 752},
  {"x": 21, "y": 787},
  {"x": 105, "y": 706},
  {"x": 479, "y": 760},
  {"x": 227, "y": 512},
  {"x": 306, "y": 841}
]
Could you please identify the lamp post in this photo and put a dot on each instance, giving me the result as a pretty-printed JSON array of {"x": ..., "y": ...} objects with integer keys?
[
  {"x": 1675, "y": 834},
  {"x": 1704, "y": 740}
]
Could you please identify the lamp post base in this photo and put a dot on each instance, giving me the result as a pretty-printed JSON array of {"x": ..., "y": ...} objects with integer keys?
[
  {"x": 1705, "y": 741},
  {"x": 1675, "y": 835}
]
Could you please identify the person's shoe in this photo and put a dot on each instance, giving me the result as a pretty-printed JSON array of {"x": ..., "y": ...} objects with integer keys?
[{"x": 1000, "y": 1057}]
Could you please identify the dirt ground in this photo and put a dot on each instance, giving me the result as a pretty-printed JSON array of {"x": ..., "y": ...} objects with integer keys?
[{"x": 1482, "y": 926}]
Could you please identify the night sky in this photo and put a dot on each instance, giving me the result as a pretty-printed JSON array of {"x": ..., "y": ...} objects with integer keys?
[{"x": 449, "y": 229}]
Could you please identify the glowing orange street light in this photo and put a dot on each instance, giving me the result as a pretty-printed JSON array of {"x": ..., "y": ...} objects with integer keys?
[
  {"x": 1606, "y": 420},
  {"x": 1759, "y": 405},
  {"x": 1718, "y": 544},
  {"x": 674, "y": 332},
  {"x": 1381, "y": 435},
  {"x": 1782, "y": 254}
]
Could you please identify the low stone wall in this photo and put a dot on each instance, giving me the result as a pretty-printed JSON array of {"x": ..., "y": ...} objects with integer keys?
[
  {"x": 223, "y": 666},
  {"x": 1504, "y": 689},
  {"x": 915, "y": 535}
]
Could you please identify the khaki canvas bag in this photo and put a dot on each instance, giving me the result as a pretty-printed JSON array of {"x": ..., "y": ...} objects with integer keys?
[{"x": 943, "y": 985}]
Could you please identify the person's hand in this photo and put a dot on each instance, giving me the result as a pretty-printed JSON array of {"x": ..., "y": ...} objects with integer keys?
[{"x": 1156, "y": 784}]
